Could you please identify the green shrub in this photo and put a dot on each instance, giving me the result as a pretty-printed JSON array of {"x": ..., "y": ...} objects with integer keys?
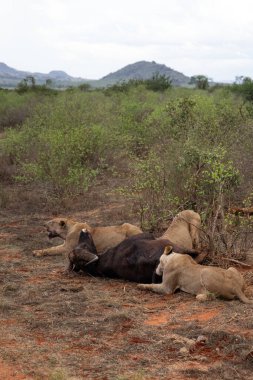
[
  {"x": 182, "y": 148},
  {"x": 59, "y": 145},
  {"x": 14, "y": 109},
  {"x": 245, "y": 89},
  {"x": 158, "y": 82},
  {"x": 84, "y": 87},
  {"x": 188, "y": 161}
]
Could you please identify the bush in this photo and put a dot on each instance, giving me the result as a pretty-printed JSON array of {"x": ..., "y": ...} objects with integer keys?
[
  {"x": 158, "y": 82},
  {"x": 188, "y": 162},
  {"x": 14, "y": 109},
  {"x": 59, "y": 145},
  {"x": 84, "y": 87},
  {"x": 151, "y": 190},
  {"x": 123, "y": 87},
  {"x": 245, "y": 89},
  {"x": 182, "y": 148}
]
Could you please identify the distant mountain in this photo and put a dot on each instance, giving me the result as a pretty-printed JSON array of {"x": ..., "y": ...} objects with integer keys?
[
  {"x": 6, "y": 71},
  {"x": 10, "y": 77},
  {"x": 145, "y": 70}
]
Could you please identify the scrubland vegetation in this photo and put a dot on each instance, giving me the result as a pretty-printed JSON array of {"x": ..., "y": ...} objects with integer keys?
[
  {"x": 177, "y": 147},
  {"x": 137, "y": 153}
]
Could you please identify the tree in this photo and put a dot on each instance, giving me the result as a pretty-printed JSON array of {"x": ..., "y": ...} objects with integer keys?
[
  {"x": 200, "y": 81},
  {"x": 22, "y": 86},
  {"x": 245, "y": 88},
  {"x": 84, "y": 87},
  {"x": 239, "y": 79},
  {"x": 49, "y": 82},
  {"x": 30, "y": 79}
]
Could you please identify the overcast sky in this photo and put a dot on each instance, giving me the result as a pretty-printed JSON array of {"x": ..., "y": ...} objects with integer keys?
[{"x": 91, "y": 38}]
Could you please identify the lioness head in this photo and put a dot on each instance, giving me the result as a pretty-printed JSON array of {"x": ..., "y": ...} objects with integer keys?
[
  {"x": 57, "y": 228},
  {"x": 163, "y": 260}
]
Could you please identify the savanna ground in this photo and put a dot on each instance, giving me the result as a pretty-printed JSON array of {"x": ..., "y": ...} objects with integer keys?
[{"x": 58, "y": 327}]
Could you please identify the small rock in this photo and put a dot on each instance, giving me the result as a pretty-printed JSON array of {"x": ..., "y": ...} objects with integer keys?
[
  {"x": 202, "y": 339},
  {"x": 184, "y": 351}
]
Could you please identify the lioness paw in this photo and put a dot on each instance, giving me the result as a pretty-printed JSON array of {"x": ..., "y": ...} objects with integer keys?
[
  {"x": 141, "y": 286},
  {"x": 205, "y": 297},
  {"x": 38, "y": 253},
  {"x": 202, "y": 297}
]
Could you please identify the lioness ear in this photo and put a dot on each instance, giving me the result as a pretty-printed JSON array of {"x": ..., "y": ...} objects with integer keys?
[
  {"x": 167, "y": 250},
  {"x": 62, "y": 223}
]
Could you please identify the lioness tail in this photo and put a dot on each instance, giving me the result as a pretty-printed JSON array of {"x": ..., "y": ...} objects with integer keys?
[{"x": 242, "y": 297}]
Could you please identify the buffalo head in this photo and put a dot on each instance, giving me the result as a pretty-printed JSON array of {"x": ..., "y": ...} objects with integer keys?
[{"x": 85, "y": 253}]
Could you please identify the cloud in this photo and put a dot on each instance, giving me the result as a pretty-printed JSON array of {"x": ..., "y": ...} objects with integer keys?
[{"x": 92, "y": 38}]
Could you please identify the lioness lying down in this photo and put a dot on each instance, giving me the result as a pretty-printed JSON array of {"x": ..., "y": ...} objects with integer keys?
[
  {"x": 69, "y": 231},
  {"x": 182, "y": 272},
  {"x": 184, "y": 229}
]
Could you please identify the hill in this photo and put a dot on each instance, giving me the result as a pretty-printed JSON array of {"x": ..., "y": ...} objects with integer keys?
[
  {"x": 10, "y": 77},
  {"x": 144, "y": 70}
]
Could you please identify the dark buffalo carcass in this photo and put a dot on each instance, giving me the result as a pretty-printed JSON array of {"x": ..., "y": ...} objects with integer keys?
[{"x": 134, "y": 259}]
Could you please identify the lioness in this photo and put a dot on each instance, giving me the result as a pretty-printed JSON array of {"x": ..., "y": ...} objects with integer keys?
[
  {"x": 184, "y": 229},
  {"x": 182, "y": 272},
  {"x": 69, "y": 231}
]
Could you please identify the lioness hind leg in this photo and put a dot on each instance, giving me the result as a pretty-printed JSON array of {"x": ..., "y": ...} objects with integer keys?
[{"x": 157, "y": 288}]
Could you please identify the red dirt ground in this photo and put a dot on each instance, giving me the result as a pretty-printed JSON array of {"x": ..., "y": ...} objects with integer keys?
[{"x": 57, "y": 327}]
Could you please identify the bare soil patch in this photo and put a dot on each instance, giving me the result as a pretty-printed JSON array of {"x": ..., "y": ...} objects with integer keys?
[{"x": 53, "y": 326}]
